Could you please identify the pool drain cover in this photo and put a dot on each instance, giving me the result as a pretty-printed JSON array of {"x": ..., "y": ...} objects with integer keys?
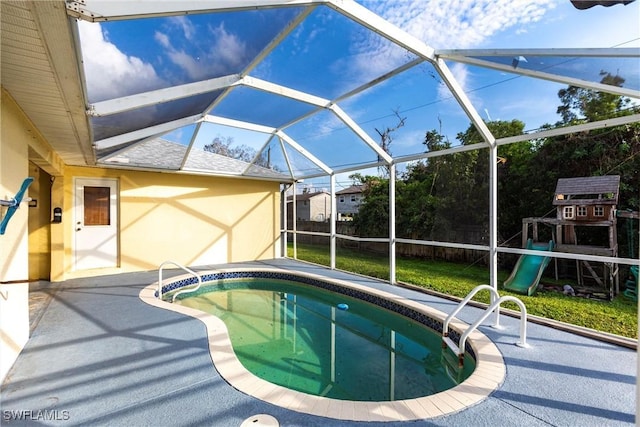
[{"x": 260, "y": 420}]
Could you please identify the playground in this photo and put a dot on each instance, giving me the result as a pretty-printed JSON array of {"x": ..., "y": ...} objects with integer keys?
[{"x": 587, "y": 203}]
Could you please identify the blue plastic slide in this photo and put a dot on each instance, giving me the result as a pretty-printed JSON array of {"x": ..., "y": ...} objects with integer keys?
[
  {"x": 526, "y": 274},
  {"x": 13, "y": 204}
]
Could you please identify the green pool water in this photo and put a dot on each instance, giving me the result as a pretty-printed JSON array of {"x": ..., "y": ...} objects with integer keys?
[{"x": 295, "y": 336}]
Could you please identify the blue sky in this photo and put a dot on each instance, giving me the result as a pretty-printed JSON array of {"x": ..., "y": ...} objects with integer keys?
[{"x": 328, "y": 55}]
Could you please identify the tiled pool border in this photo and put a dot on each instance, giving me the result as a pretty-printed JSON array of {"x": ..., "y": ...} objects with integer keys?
[{"x": 487, "y": 376}]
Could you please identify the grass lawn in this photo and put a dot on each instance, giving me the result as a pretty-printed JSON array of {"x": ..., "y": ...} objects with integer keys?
[{"x": 617, "y": 317}]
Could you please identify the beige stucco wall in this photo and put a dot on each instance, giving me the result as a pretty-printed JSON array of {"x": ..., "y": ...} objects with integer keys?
[
  {"x": 192, "y": 220},
  {"x": 320, "y": 207},
  {"x": 39, "y": 224},
  {"x": 14, "y": 268}
]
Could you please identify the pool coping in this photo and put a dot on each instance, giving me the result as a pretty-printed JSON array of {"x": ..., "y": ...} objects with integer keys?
[{"x": 488, "y": 375}]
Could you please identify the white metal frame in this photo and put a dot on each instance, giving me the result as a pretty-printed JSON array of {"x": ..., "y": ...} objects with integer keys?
[{"x": 97, "y": 11}]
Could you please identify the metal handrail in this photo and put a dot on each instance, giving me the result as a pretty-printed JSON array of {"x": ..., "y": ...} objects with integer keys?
[
  {"x": 181, "y": 291},
  {"x": 495, "y": 296},
  {"x": 496, "y": 304},
  {"x": 459, "y": 349}
]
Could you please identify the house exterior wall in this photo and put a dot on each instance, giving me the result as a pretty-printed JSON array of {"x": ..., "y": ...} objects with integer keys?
[
  {"x": 303, "y": 210},
  {"x": 586, "y": 212},
  {"x": 348, "y": 206},
  {"x": 39, "y": 224},
  {"x": 320, "y": 207},
  {"x": 14, "y": 249},
  {"x": 314, "y": 208},
  {"x": 192, "y": 220}
]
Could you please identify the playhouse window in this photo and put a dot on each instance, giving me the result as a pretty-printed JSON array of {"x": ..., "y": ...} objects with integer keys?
[
  {"x": 567, "y": 213},
  {"x": 598, "y": 211},
  {"x": 581, "y": 211}
]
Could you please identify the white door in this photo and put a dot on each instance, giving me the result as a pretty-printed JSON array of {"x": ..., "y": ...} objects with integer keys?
[{"x": 95, "y": 223}]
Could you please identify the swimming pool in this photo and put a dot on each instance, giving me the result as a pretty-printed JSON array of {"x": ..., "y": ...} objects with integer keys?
[
  {"x": 380, "y": 405},
  {"x": 327, "y": 344}
]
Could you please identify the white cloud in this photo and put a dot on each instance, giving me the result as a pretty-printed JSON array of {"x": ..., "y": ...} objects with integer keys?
[
  {"x": 227, "y": 48},
  {"x": 226, "y": 52},
  {"x": 450, "y": 24},
  {"x": 162, "y": 38},
  {"x": 110, "y": 73},
  {"x": 185, "y": 25},
  {"x": 464, "y": 23},
  {"x": 441, "y": 24}
]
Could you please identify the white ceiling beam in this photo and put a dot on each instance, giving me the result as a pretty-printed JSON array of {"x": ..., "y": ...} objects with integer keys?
[
  {"x": 608, "y": 52},
  {"x": 617, "y": 121},
  {"x": 264, "y": 53},
  {"x": 192, "y": 141},
  {"x": 379, "y": 25},
  {"x": 100, "y": 10},
  {"x": 120, "y": 151},
  {"x": 622, "y": 91},
  {"x": 292, "y": 25},
  {"x": 339, "y": 112},
  {"x": 524, "y": 137},
  {"x": 359, "y": 167},
  {"x": 238, "y": 124},
  {"x": 286, "y": 157},
  {"x": 257, "y": 156},
  {"x": 139, "y": 100},
  {"x": 356, "y": 91},
  {"x": 438, "y": 153},
  {"x": 613, "y": 52},
  {"x": 304, "y": 152},
  {"x": 143, "y": 133},
  {"x": 380, "y": 79},
  {"x": 284, "y": 91},
  {"x": 464, "y": 101},
  {"x": 130, "y": 146}
]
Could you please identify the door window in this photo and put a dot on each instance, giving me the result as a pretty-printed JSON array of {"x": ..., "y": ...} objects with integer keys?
[{"x": 96, "y": 206}]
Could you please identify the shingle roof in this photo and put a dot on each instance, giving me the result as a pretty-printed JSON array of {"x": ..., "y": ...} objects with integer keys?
[
  {"x": 592, "y": 185},
  {"x": 307, "y": 196},
  {"x": 354, "y": 189},
  {"x": 162, "y": 154}
]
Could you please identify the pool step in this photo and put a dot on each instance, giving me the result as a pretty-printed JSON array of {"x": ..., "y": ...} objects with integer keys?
[{"x": 453, "y": 346}]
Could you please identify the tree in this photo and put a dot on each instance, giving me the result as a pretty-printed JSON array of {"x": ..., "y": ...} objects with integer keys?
[
  {"x": 439, "y": 196},
  {"x": 580, "y": 103},
  {"x": 224, "y": 146},
  {"x": 372, "y": 219},
  {"x": 611, "y": 151},
  {"x": 518, "y": 184},
  {"x": 386, "y": 137}
]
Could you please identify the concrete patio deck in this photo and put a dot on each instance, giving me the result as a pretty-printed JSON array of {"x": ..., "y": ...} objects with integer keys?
[{"x": 98, "y": 355}]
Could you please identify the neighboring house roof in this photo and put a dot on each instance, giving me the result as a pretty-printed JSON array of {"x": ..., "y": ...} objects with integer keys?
[
  {"x": 354, "y": 189},
  {"x": 307, "y": 196},
  {"x": 169, "y": 155},
  {"x": 604, "y": 189}
]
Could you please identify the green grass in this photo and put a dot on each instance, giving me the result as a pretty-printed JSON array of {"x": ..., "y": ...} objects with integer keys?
[{"x": 617, "y": 317}]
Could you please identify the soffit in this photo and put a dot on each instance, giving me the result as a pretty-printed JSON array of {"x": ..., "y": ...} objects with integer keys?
[{"x": 40, "y": 72}]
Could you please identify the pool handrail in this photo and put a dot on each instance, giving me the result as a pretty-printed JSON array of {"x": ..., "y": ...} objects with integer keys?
[
  {"x": 474, "y": 291},
  {"x": 496, "y": 301},
  {"x": 523, "y": 321},
  {"x": 181, "y": 291}
]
